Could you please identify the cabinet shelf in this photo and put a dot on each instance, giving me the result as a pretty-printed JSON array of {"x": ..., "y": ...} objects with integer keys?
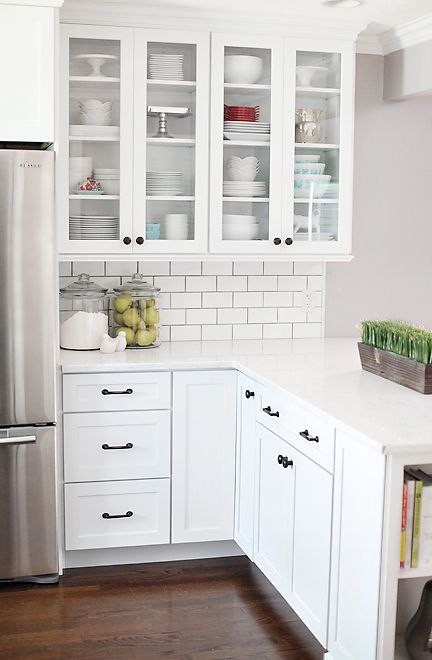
[
  {"x": 255, "y": 91},
  {"x": 315, "y": 145},
  {"x": 322, "y": 92},
  {"x": 93, "y": 79},
  {"x": 171, "y": 85},
  {"x": 172, "y": 142},
  {"x": 91, "y": 138},
  {"x": 93, "y": 197},
  {"x": 405, "y": 573},
  {"x": 246, "y": 143},
  {"x": 317, "y": 200},
  {"x": 245, "y": 199},
  {"x": 170, "y": 198}
]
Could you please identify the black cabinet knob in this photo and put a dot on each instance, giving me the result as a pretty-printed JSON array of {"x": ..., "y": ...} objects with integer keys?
[
  {"x": 127, "y": 240},
  {"x": 139, "y": 240},
  {"x": 280, "y": 459},
  {"x": 277, "y": 240},
  {"x": 249, "y": 394},
  {"x": 289, "y": 241},
  {"x": 286, "y": 463}
]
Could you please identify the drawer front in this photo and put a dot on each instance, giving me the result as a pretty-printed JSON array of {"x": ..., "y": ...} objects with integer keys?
[
  {"x": 302, "y": 428},
  {"x": 118, "y": 391},
  {"x": 120, "y": 445},
  {"x": 117, "y": 514}
]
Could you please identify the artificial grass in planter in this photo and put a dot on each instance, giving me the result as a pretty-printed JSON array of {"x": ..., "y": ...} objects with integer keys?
[{"x": 398, "y": 337}]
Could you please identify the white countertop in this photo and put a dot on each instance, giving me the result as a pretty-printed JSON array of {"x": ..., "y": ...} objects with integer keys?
[{"x": 324, "y": 373}]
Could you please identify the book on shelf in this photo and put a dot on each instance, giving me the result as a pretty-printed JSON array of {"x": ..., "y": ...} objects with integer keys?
[
  {"x": 410, "y": 484},
  {"x": 416, "y": 520},
  {"x": 403, "y": 525}
]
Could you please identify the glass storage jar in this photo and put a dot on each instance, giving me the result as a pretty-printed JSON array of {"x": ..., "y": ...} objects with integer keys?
[
  {"x": 85, "y": 314},
  {"x": 135, "y": 307}
]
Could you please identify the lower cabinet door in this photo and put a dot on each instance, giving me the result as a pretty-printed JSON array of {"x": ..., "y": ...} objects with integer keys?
[
  {"x": 311, "y": 544},
  {"x": 203, "y": 455},
  {"x": 274, "y": 510},
  {"x": 117, "y": 514}
]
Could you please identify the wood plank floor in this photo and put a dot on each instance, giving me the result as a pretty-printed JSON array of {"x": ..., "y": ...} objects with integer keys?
[{"x": 194, "y": 610}]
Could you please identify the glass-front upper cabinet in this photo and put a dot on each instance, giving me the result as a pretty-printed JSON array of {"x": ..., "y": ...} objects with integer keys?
[
  {"x": 319, "y": 126},
  {"x": 96, "y": 140},
  {"x": 171, "y": 72},
  {"x": 246, "y": 144}
]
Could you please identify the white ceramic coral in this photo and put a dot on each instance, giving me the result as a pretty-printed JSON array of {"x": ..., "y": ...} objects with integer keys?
[{"x": 113, "y": 345}]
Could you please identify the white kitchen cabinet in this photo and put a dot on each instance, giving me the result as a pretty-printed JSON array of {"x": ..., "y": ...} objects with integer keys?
[
  {"x": 293, "y": 528},
  {"x": 247, "y": 396},
  {"x": 27, "y": 72},
  {"x": 203, "y": 455}
]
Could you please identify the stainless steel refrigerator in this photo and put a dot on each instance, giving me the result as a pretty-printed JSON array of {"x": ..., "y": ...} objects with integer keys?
[{"x": 28, "y": 538}]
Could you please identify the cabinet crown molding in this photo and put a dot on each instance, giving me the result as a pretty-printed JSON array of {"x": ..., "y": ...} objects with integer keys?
[{"x": 33, "y": 3}]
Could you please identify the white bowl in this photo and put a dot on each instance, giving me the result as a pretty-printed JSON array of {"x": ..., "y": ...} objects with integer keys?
[
  {"x": 306, "y": 74},
  {"x": 243, "y": 162},
  {"x": 240, "y": 232},
  {"x": 309, "y": 168},
  {"x": 95, "y": 104},
  {"x": 241, "y": 175},
  {"x": 243, "y": 69},
  {"x": 303, "y": 184},
  {"x": 237, "y": 219},
  {"x": 176, "y": 234},
  {"x": 307, "y": 158},
  {"x": 96, "y": 118}
]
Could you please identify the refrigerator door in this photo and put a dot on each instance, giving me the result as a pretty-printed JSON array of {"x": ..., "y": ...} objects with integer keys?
[
  {"x": 27, "y": 287},
  {"x": 28, "y": 540}
]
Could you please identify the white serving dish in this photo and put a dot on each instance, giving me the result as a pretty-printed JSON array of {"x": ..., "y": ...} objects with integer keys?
[
  {"x": 96, "y": 118},
  {"x": 303, "y": 184},
  {"x": 307, "y": 74},
  {"x": 307, "y": 158},
  {"x": 237, "y": 219},
  {"x": 240, "y": 232},
  {"x": 309, "y": 169},
  {"x": 243, "y": 69},
  {"x": 247, "y": 137}
]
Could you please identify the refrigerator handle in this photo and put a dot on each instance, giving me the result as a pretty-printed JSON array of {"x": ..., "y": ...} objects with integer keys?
[{"x": 18, "y": 440}]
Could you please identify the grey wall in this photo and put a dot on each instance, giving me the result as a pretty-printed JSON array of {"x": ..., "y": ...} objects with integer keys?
[{"x": 391, "y": 275}]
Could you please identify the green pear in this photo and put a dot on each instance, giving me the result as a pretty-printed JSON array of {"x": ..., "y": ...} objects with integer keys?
[
  {"x": 154, "y": 333},
  {"x": 122, "y": 302},
  {"x": 118, "y": 318},
  {"x": 131, "y": 317},
  {"x": 144, "y": 338},
  {"x": 130, "y": 335},
  {"x": 152, "y": 316}
]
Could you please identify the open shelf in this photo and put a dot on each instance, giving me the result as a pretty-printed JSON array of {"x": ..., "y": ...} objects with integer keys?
[
  {"x": 315, "y": 200},
  {"x": 321, "y": 92},
  {"x": 169, "y": 85},
  {"x": 315, "y": 145},
  {"x": 421, "y": 572},
  {"x": 93, "y": 79},
  {"x": 245, "y": 199},
  {"x": 93, "y": 197},
  {"x": 171, "y": 142},
  {"x": 170, "y": 198},
  {"x": 246, "y": 143},
  {"x": 90, "y": 138},
  {"x": 249, "y": 91}
]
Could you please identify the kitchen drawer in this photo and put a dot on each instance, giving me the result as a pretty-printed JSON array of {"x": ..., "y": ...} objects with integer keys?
[
  {"x": 120, "y": 445},
  {"x": 140, "y": 513},
  {"x": 116, "y": 391},
  {"x": 289, "y": 419}
]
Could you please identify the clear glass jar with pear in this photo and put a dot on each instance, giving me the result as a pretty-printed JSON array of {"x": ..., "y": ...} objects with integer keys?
[{"x": 135, "y": 311}]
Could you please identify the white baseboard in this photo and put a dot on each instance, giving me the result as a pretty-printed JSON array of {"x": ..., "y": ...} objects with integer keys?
[{"x": 150, "y": 553}]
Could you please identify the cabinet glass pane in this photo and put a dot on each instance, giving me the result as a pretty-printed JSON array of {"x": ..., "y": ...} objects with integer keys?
[
  {"x": 94, "y": 139},
  {"x": 317, "y": 138},
  {"x": 171, "y": 134},
  {"x": 246, "y": 186}
]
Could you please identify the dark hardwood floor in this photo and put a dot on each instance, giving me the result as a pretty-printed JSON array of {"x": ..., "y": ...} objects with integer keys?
[{"x": 194, "y": 610}]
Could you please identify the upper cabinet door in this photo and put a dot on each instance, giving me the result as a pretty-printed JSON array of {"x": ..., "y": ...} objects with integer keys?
[
  {"x": 27, "y": 59},
  {"x": 246, "y": 144},
  {"x": 96, "y": 140},
  {"x": 171, "y": 141},
  {"x": 318, "y": 146}
]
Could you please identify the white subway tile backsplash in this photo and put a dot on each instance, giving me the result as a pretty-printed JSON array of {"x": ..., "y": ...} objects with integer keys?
[
  {"x": 232, "y": 315},
  {"x": 217, "y": 268},
  {"x": 249, "y": 299},
  {"x": 232, "y": 283},
  {"x": 221, "y": 300},
  {"x": 200, "y": 316},
  {"x": 278, "y": 268},
  {"x": 218, "y": 299},
  {"x": 201, "y": 283},
  {"x": 262, "y": 283},
  {"x": 248, "y": 268}
]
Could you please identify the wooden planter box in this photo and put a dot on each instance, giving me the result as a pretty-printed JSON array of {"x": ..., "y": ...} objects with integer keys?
[{"x": 415, "y": 375}]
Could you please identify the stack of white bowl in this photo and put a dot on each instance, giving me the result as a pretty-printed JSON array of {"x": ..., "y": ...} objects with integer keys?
[
  {"x": 80, "y": 168},
  {"x": 239, "y": 227},
  {"x": 176, "y": 226},
  {"x": 95, "y": 112},
  {"x": 109, "y": 180},
  {"x": 242, "y": 169}
]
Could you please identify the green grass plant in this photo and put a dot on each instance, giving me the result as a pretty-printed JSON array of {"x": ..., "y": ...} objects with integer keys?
[{"x": 398, "y": 337}]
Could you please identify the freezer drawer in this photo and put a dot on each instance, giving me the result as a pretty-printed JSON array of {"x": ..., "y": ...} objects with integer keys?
[{"x": 28, "y": 538}]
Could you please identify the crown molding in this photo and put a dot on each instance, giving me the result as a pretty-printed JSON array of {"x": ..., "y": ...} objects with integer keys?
[
  {"x": 369, "y": 44},
  {"x": 33, "y": 3},
  {"x": 409, "y": 34},
  {"x": 134, "y": 13}
]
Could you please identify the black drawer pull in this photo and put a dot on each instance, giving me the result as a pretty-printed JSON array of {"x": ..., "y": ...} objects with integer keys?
[
  {"x": 128, "y": 514},
  {"x": 128, "y": 391},
  {"x": 305, "y": 434},
  {"x": 249, "y": 394},
  {"x": 128, "y": 445},
  {"x": 268, "y": 411}
]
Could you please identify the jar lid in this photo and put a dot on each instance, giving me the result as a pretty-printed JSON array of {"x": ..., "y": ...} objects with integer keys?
[
  {"x": 137, "y": 286},
  {"x": 83, "y": 288}
]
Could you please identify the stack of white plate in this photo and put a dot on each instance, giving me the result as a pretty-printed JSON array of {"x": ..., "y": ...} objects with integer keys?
[
  {"x": 247, "y": 130},
  {"x": 109, "y": 180},
  {"x": 164, "y": 183},
  {"x": 237, "y": 227},
  {"x": 84, "y": 130},
  {"x": 244, "y": 188},
  {"x": 163, "y": 66},
  {"x": 93, "y": 228}
]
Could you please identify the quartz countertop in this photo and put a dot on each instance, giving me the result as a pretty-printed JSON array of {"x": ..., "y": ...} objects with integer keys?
[{"x": 323, "y": 373}]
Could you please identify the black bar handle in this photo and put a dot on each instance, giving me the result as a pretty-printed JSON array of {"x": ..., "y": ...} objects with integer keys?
[
  {"x": 128, "y": 445},
  {"x": 128, "y": 514},
  {"x": 249, "y": 394},
  {"x": 305, "y": 434},
  {"x": 286, "y": 462},
  {"x": 128, "y": 391},
  {"x": 268, "y": 411}
]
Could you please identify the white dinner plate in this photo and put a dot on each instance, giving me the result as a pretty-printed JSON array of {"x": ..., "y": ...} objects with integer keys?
[{"x": 257, "y": 137}]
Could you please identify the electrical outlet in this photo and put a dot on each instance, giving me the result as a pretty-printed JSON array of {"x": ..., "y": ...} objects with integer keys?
[{"x": 308, "y": 300}]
